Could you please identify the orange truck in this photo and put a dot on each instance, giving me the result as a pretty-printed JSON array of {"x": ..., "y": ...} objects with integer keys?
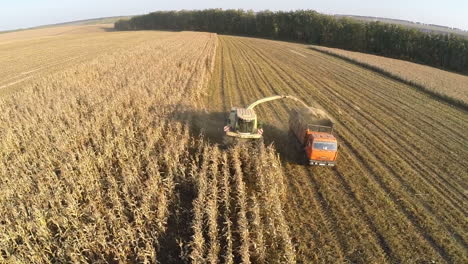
[{"x": 314, "y": 130}]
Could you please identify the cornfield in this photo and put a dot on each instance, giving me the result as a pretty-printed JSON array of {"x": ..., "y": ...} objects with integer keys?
[
  {"x": 114, "y": 157},
  {"x": 94, "y": 170}
]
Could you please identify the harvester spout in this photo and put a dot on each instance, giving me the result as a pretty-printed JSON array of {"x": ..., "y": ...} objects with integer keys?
[
  {"x": 275, "y": 97},
  {"x": 242, "y": 123}
]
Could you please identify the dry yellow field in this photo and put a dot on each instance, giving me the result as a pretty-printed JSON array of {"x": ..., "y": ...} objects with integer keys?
[
  {"x": 97, "y": 164},
  {"x": 113, "y": 157},
  {"x": 29, "y": 54},
  {"x": 447, "y": 84},
  {"x": 49, "y": 32}
]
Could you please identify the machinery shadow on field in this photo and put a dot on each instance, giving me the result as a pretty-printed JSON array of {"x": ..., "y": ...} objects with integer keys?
[{"x": 211, "y": 124}]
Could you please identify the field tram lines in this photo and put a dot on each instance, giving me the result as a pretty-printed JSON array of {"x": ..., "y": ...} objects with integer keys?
[
  {"x": 272, "y": 64},
  {"x": 436, "y": 105},
  {"x": 237, "y": 83},
  {"x": 320, "y": 241},
  {"x": 225, "y": 92},
  {"x": 410, "y": 158},
  {"x": 447, "y": 117},
  {"x": 369, "y": 221},
  {"x": 416, "y": 96},
  {"x": 233, "y": 96},
  {"x": 262, "y": 86},
  {"x": 238, "y": 65},
  {"x": 218, "y": 96},
  {"x": 391, "y": 135},
  {"x": 250, "y": 59},
  {"x": 442, "y": 184},
  {"x": 423, "y": 119},
  {"x": 246, "y": 90},
  {"x": 384, "y": 163},
  {"x": 239, "y": 80},
  {"x": 249, "y": 68},
  {"x": 255, "y": 90},
  {"x": 403, "y": 208},
  {"x": 392, "y": 224},
  {"x": 349, "y": 81},
  {"x": 373, "y": 121},
  {"x": 431, "y": 209},
  {"x": 391, "y": 84},
  {"x": 364, "y": 244},
  {"x": 265, "y": 82}
]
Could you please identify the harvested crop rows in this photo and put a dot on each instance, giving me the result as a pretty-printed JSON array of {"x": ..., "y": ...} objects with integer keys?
[
  {"x": 399, "y": 191},
  {"x": 447, "y": 85}
]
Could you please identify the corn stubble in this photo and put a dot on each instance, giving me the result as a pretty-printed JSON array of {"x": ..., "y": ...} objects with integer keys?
[
  {"x": 92, "y": 166},
  {"x": 452, "y": 87},
  {"x": 391, "y": 198}
]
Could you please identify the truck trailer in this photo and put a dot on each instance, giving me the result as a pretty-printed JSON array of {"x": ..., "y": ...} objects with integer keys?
[{"x": 314, "y": 131}]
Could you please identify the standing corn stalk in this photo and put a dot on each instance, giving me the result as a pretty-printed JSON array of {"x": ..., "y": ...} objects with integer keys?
[
  {"x": 226, "y": 198},
  {"x": 197, "y": 255},
  {"x": 212, "y": 208},
  {"x": 242, "y": 222}
]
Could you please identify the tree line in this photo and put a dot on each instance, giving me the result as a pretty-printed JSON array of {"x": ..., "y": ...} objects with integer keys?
[{"x": 448, "y": 51}]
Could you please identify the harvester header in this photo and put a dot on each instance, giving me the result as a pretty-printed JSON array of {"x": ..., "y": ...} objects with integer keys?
[{"x": 242, "y": 123}]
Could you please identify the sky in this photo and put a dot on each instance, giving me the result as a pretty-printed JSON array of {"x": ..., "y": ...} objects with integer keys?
[{"x": 16, "y": 14}]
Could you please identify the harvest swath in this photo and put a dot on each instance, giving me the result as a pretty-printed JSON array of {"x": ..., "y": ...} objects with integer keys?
[
  {"x": 399, "y": 191},
  {"x": 113, "y": 158}
]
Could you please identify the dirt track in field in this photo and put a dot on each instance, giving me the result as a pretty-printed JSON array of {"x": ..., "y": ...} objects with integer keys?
[{"x": 399, "y": 192}]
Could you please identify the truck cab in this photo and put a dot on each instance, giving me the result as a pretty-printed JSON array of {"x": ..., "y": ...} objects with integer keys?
[{"x": 321, "y": 148}]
